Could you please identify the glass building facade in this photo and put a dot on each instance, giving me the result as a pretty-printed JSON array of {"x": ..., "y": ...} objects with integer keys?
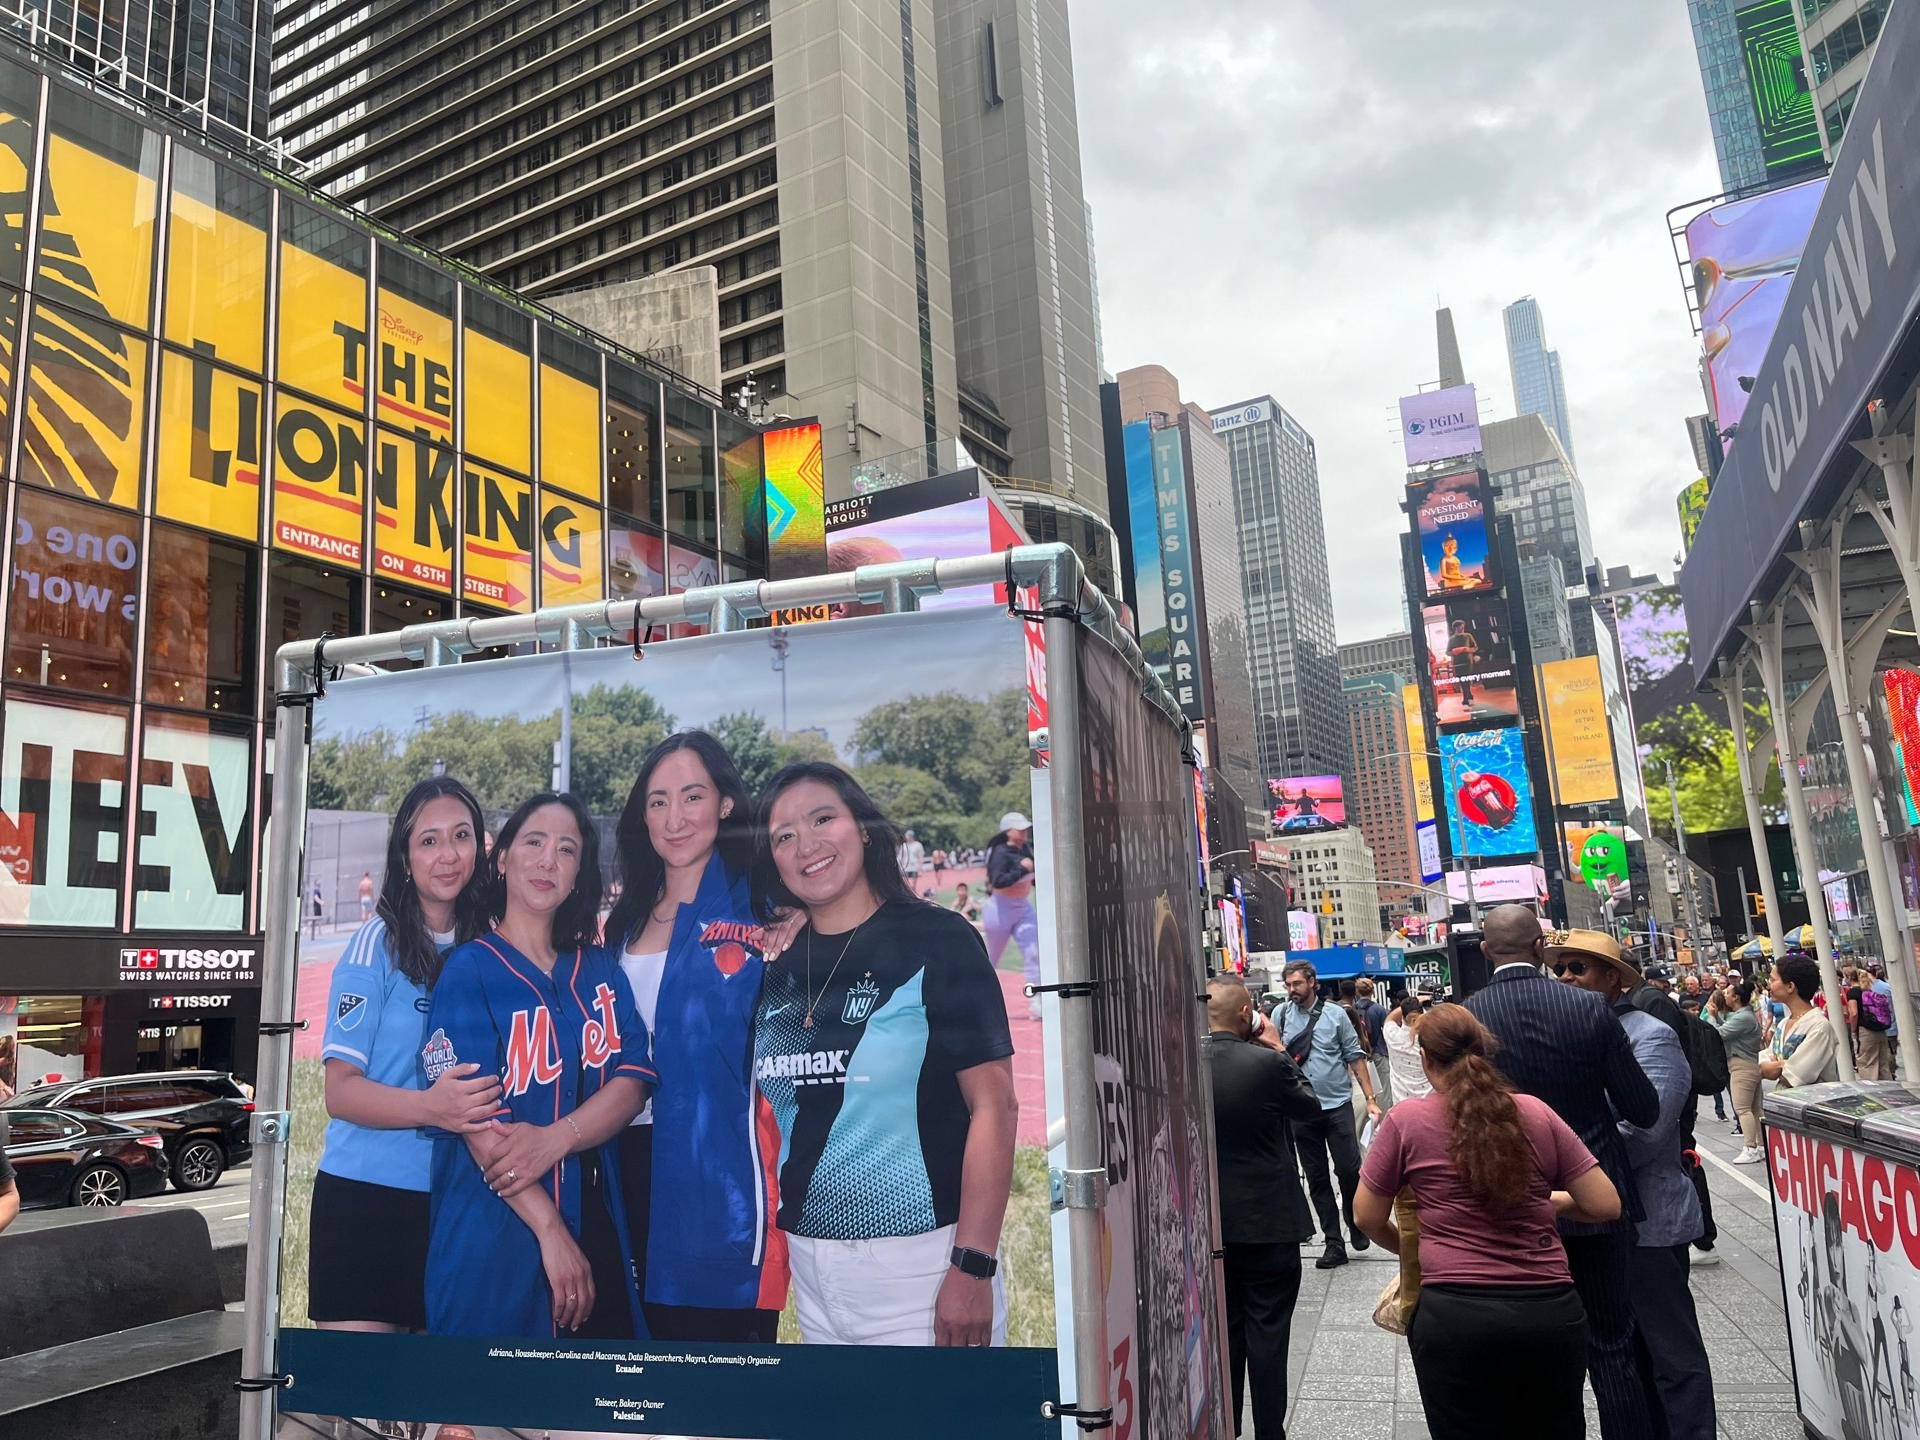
[
  {"x": 1539, "y": 387},
  {"x": 241, "y": 417}
]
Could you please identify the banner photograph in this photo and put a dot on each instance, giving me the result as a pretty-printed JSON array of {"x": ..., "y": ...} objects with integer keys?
[
  {"x": 680, "y": 1044},
  {"x": 1489, "y": 797}
]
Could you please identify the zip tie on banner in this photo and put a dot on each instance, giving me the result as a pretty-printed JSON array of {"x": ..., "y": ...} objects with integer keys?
[
  {"x": 641, "y": 637},
  {"x": 1085, "y": 1419},
  {"x": 1058, "y": 610},
  {"x": 252, "y": 1384},
  {"x": 1072, "y": 990},
  {"x": 280, "y": 1027},
  {"x": 306, "y": 698}
]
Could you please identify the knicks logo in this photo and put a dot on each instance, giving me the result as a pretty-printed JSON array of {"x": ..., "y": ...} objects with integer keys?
[
  {"x": 732, "y": 943},
  {"x": 532, "y": 1057}
]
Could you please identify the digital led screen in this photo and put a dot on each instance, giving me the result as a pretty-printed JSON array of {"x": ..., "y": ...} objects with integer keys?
[
  {"x": 1744, "y": 255},
  {"x": 1497, "y": 884},
  {"x": 1579, "y": 739},
  {"x": 796, "y": 501},
  {"x": 1470, "y": 660},
  {"x": 1777, "y": 78},
  {"x": 1452, "y": 523},
  {"x": 1489, "y": 794},
  {"x": 1308, "y": 802}
]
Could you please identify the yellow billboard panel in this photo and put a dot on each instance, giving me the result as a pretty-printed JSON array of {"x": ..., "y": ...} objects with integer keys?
[
  {"x": 497, "y": 546},
  {"x": 216, "y": 292},
  {"x": 209, "y": 471},
  {"x": 319, "y": 481},
  {"x": 323, "y": 327},
  {"x": 1417, "y": 744},
  {"x": 499, "y": 401},
  {"x": 86, "y": 400},
  {"x": 570, "y": 428},
  {"x": 570, "y": 540},
  {"x": 414, "y": 361},
  {"x": 413, "y": 510},
  {"x": 1580, "y": 742},
  {"x": 98, "y": 217}
]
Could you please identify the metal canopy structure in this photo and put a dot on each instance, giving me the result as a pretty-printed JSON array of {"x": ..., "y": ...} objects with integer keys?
[{"x": 1803, "y": 582}]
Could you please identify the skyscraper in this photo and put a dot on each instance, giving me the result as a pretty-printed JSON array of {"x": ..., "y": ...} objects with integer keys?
[
  {"x": 205, "y": 65},
  {"x": 1289, "y": 594},
  {"x": 795, "y": 148},
  {"x": 1171, "y": 477},
  {"x": 1837, "y": 39},
  {"x": 1024, "y": 333},
  {"x": 1538, "y": 385},
  {"x": 1729, "y": 89},
  {"x": 1380, "y": 787},
  {"x": 1390, "y": 655}
]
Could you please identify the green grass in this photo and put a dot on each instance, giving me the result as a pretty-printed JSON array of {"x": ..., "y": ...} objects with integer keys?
[{"x": 309, "y": 1135}]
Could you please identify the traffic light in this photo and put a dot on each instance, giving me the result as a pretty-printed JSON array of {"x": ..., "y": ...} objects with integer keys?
[{"x": 1759, "y": 903}]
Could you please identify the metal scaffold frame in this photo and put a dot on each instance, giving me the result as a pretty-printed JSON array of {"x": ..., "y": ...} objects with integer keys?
[{"x": 1046, "y": 584}]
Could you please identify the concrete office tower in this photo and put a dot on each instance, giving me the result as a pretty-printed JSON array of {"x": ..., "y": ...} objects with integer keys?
[
  {"x": 1169, "y": 477},
  {"x": 1283, "y": 557},
  {"x": 1334, "y": 868},
  {"x": 1538, "y": 386},
  {"x": 1535, "y": 481},
  {"x": 1452, "y": 370},
  {"x": 1543, "y": 593},
  {"x": 1388, "y": 655},
  {"x": 1837, "y": 40},
  {"x": 204, "y": 66},
  {"x": 792, "y": 145},
  {"x": 1380, "y": 785},
  {"x": 1024, "y": 336}
]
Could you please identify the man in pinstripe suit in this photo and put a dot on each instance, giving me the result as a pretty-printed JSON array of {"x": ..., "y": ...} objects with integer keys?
[{"x": 1566, "y": 1047}]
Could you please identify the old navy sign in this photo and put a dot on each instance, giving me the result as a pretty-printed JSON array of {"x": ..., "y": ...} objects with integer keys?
[{"x": 1844, "y": 327}]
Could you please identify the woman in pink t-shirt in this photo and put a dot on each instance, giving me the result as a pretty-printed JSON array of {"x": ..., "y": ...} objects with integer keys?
[{"x": 1499, "y": 1338}]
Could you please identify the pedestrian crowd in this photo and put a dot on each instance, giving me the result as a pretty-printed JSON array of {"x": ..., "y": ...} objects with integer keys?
[{"x": 1529, "y": 1155}]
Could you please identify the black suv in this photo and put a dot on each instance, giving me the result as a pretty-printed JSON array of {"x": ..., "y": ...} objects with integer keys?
[{"x": 203, "y": 1116}]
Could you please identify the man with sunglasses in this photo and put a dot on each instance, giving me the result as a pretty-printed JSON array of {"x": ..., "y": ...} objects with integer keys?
[
  {"x": 1671, "y": 1354},
  {"x": 1566, "y": 1047}
]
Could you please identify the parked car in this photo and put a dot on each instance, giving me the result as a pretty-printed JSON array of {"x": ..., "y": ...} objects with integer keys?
[
  {"x": 63, "y": 1158},
  {"x": 203, "y": 1117}
]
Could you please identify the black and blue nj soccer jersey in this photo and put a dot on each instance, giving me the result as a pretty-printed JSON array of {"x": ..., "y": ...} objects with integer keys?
[{"x": 873, "y": 1126}]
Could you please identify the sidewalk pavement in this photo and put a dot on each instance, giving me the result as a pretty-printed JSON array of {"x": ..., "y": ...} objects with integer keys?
[{"x": 1352, "y": 1381}]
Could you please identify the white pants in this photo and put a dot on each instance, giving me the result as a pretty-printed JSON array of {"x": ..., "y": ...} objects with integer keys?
[{"x": 876, "y": 1292}]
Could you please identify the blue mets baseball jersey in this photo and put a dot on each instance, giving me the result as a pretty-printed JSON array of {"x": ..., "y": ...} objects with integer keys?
[
  {"x": 860, "y": 1062},
  {"x": 555, "y": 1040},
  {"x": 376, "y": 1022}
]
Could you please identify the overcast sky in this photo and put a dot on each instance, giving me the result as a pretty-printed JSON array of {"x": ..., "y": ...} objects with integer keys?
[{"x": 1282, "y": 194}]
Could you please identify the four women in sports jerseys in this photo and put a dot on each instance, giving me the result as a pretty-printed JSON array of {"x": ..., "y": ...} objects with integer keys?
[{"x": 771, "y": 1065}]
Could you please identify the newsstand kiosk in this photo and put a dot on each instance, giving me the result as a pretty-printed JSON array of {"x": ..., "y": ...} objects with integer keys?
[{"x": 1844, "y": 1164}]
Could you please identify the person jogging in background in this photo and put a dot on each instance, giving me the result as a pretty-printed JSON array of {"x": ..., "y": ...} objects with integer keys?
[{"x": 1009, "y": 907}]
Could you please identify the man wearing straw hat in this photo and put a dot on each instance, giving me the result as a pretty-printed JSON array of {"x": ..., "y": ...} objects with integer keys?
[{"x": 1671, "y": 1354}]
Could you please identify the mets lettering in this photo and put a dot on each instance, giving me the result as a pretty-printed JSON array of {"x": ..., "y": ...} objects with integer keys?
[{"x": 532, "y": 1057}]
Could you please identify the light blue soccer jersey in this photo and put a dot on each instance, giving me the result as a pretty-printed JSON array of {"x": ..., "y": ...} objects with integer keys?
[{"x": 377, "y": 1022}]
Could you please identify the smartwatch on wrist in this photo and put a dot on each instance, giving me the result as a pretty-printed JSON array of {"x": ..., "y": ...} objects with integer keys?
[{"x": 976, "y": 1263}]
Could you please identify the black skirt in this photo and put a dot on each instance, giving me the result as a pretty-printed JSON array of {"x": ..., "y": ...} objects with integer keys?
[{"x": 367, "y": 1253}]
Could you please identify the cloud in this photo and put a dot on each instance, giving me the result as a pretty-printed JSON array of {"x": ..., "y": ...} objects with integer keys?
[{"x": 1281, "y": 196}]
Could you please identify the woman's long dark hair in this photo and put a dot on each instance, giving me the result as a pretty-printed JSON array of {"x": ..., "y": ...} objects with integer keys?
[
  {"x": 882, "y": 861},
  {"x": 1488, "y": 1143},
  {"x": 415, "y": 954},
  {"x": 642, "y": 872},
  {"x": 576, "y": 921}
]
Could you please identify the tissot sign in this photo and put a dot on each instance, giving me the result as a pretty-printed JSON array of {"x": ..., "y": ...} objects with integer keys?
[{"x": 190, "y": 970}]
